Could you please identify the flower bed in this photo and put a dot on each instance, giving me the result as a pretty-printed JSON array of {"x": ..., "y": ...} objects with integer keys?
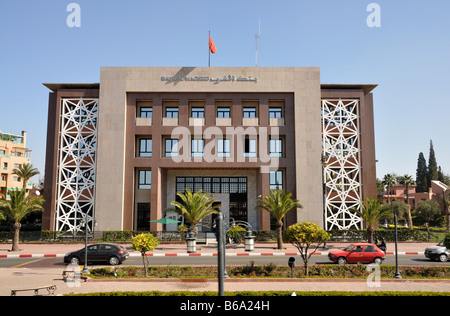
[{"x": 272, "y": 271}]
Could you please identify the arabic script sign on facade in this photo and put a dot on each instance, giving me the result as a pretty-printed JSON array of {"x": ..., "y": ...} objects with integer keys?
[{"x": 229, "y": 78}]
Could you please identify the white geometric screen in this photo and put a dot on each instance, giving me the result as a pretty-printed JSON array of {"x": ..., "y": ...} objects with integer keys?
[
  {"x": 342, "y": 168},
  {"x": 76, "y": 165}
]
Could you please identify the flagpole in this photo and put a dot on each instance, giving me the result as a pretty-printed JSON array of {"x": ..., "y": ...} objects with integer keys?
[{"x": 209, "y": 50}]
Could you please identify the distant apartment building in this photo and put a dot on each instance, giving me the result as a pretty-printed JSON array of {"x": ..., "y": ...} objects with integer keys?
[
  {"x": 13, "y": 153},
  {"x": 435, "y": 192},
  {"x": 120, "y": 150}
]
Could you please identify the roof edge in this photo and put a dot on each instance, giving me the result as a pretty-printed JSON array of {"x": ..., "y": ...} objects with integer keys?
[{"x": 367, "y": 88}]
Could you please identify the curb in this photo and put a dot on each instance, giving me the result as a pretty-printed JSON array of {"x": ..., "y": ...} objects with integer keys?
[{"x": 16, "y": 256}]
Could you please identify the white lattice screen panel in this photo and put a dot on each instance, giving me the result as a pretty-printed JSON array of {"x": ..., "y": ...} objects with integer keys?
[
  {"x": 342, "y": 170},
  {"x": 76, "y": 167}
]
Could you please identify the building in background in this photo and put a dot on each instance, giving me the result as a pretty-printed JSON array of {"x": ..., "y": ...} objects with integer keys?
[
  {"x": 436, "y": 192},
  {"x": 13, "y": 153},
  {"x": 118, "y": 151}
]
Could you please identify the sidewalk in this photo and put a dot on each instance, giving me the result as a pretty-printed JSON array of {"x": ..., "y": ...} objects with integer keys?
[
  {"x": 16, "y": 278},
  {"x": 41, "y": 250}
]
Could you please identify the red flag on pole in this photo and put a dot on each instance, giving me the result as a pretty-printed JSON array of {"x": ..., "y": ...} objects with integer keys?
[{"x": 212, "y": 46}]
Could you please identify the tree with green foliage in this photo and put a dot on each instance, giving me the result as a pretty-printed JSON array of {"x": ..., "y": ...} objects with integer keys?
[
  {"x": 428, "y": 211},
  {"x": 371, "y": 212},
  {"x": 432, "y": 166},
  {"x": 407, "y": 180},
  {"x": 195, "y": 207},
  {"x": 303, "y": 236},
  {"x": 446, "y": 203},
  {"x": 278, "y": 204},
  {"x": 25, "y": 171},
  {"x": 144, "y": 243},
  {"x": 421, "y": 174},
  {"x": 447, "y": 241},
  {"x": 17, "y": 208},
  {"x": 389, "y": 181}
]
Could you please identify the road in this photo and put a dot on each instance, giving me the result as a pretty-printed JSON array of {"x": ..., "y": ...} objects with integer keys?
[{"x": 31, "y": 263}]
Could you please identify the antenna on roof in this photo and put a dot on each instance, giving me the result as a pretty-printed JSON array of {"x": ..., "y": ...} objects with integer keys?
[{"x": 256, "y": 40}]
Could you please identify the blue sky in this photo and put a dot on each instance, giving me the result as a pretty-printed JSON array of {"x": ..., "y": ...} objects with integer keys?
[{"x": 408, "y": 56}]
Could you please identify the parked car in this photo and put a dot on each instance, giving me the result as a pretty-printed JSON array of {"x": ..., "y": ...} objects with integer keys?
[
  {"x": 438, "y": 252},
  {"x": 357, "y": 252},
  {"x": 112, "y": 254}
]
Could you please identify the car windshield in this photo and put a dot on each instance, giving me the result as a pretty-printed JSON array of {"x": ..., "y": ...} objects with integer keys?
[
  {"x": 349, "y": 247},
  {"x": 441, "y": 243}
]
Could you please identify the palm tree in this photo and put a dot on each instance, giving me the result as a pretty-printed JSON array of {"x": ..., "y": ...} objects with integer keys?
[
  {"x": 25, "y": 171},
  {"x": 407, "y": 180},
  {"x": 389, "y": 181},
  {"x": 17, "y": 208},
  {"x": 371, "y": 212},
  {"x": 195, "y": 207},
  {"x": 278, "y": 203}
]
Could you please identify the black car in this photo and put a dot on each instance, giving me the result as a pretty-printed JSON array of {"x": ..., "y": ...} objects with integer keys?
[{"x": 111, "y": 253}]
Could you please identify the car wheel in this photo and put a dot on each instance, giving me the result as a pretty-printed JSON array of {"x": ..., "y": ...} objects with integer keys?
[
  {"x": 377, "y": 261},
  {"x": 341, "y": 260},
  {"x": 114, "y": 261},
  {"x": 75, "y": 260},
  {"x": 443, "y": 257}
]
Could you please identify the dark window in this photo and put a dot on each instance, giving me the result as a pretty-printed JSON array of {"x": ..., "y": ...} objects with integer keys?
[
  {"x": 198, "y": 112},
  {"x": 212, "y": 184},
  {"x": 276, "y": 180},
  {"x": 275, "y": 148},
  {"x": 146, "y": 112},
  {"x": 145, "y": 147},
  {"x": 249, "y": 112},
  {"x": 223, "y": 112},
  {"x": 223, "y": 147},
  {"x": 145, "y": 179},
  {"x": 143, "y": 216},
  {"x": 197, "y": 147},
  {"x": 171, "y": 148},
  {"x": 249, "y": 147},
  {"x": 275, "y": 113},
  {"x": 172, "y": 112},
  {"x": 238, "y": 206}
]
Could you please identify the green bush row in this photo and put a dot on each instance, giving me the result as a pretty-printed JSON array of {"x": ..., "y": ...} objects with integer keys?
[{"x": 271, "y": 270}]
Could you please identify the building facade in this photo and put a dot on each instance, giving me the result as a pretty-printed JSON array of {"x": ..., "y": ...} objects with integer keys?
[
  {"x": 13, "y": 153},
  {"x": 118, "y": 151},
  {"x": 436, "y": 192}
]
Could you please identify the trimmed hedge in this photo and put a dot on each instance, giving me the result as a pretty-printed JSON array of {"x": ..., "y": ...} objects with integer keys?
[{"x": 272, "y": 271}]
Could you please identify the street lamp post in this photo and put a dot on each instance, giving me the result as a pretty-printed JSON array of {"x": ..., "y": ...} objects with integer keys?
[
  {"x": 397, "y": 273},
  {"x": 84, "y": 223},
  {"x": 324, "y": 195},
  {"x": 221, "y": 252}
]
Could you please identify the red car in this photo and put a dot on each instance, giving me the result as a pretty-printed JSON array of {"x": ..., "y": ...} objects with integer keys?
[{"x": 357, "y": 252}]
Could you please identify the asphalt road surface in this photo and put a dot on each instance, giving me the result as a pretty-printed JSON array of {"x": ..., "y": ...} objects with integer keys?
[{"x": 31, "y": 263}]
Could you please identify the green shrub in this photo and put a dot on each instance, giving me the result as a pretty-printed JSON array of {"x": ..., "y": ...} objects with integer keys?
[{"x": 272, "y": 271}]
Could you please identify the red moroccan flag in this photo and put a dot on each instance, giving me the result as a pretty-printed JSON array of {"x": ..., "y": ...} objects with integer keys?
[{"x": 212, "y": 46}]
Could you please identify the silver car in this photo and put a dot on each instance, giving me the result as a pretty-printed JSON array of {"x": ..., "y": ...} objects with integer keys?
[{"x": 438, "y": 252}]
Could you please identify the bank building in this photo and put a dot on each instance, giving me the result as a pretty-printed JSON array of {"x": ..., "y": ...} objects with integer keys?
[{"x": 118, "y": 151}]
